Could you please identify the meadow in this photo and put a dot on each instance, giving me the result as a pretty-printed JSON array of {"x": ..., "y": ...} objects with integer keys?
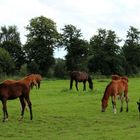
[{"x": 63, "y": 114}]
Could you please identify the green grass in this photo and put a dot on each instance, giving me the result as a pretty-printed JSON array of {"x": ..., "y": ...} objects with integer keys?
[{"x": 61, "y": 114}]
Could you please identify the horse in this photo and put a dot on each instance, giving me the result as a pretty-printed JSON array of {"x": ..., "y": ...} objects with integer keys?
[
  {"x": 113, "y": 89},
  {"x": 28, "y": 80},
  {"x": 117, "y": 77},
  {"x": 79, "y": 76},
  {"x": 37, "y": 80},
  {"x": 12, "y": 91}
]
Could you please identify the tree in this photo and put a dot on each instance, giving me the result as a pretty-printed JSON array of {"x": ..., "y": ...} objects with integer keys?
[
  {"x": 41, "y": 41},
  {"x": 105, "y": 53},
  {"x": 10, "y": 41},
  {"x": 77, "y": 48},
  {"x": 6, "y": 62},
  {"x": 131, "y": 51},
  {"x": 60, "y": 68}
]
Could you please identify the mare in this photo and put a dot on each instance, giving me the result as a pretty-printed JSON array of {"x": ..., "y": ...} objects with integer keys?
[
  {"x": 12, "y": 91},
  {"x": 79, "y": 76},
  {"x": 115, "y": 88}
]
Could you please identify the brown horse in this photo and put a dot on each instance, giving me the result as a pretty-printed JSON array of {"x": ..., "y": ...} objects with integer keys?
[
  {"x": 117, "y": 77},
  {"x": 12, "y": 91},
  {"x": 79, "y": 76},
  {"x": 113, "y": 89},
  {"x": 28, "y": 80},
  {"x": 37, "y": 78}
]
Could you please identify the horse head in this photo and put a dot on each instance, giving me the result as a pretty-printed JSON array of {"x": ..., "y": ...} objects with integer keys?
[
  {"x": 104, "y": 105},
  {"x": 90, "y": 83}
]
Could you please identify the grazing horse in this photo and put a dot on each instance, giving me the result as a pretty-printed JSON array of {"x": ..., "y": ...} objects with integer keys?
[
  {"x": 117, "y": 77},
  {"x": 113, "y": 89},
  {"x": 37, "y": 80},
  {"x": 12, "y": 91},
  {"x": 80, "y": 77}
]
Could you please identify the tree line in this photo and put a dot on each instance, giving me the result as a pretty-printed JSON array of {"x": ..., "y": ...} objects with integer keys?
[{"x": 102, "y": 54}]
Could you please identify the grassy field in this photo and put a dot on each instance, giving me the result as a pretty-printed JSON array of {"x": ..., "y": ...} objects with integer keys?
[{"x": 60, "y": 114}]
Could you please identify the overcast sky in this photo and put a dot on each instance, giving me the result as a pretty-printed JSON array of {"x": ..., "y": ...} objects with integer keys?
[{"x": 87, "y": 15}]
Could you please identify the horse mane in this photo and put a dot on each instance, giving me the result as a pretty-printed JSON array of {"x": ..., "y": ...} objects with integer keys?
[{"x": 106, "y": 90}]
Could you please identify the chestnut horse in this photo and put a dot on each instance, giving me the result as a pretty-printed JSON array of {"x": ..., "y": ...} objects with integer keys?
[
  {"x": 37, "y": 79},
  {"x": 117, "y": 77},
  {"x": 79, "y": 76},
  {"x": 28, "y": 80},
  {"x": 12, "y": 91},
  {"x": 113, "y": 89}
]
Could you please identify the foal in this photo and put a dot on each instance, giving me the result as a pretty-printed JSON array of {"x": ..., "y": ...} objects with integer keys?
[
  {"x": 12, "y": 91},
  {"x": 113, "y": 89}
]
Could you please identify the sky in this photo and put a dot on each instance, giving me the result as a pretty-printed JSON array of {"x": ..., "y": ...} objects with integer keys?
[{"x": 87, "y": 15}]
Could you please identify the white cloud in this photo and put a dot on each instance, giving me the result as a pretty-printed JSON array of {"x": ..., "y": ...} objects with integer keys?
[{"x": 87, "y": 15}]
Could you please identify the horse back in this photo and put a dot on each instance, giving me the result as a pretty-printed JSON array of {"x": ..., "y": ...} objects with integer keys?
[
  {"x": 119, "y": 86},
  {"x": 79, "y": 76},
  {"x": 13, "y": 90}
]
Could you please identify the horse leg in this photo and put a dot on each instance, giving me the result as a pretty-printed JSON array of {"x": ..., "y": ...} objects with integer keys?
[
  {"x": 114, "y": 104},
  {"x": 126, "y": 99},
  {"x": 38, "y": 85},
  {"x": 121, "y": 97},
  {"x": 84, "y": 85},
  {"x": 30, "y": 107},
  {"x": 76, "y": 84},
  {"x": 71, "y": 83},
  {"x": 5, "y": 113},
  {"x": 23, "y": 104}
]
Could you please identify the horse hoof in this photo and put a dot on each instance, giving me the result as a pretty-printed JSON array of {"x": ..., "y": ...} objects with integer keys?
[
  {"x": 21, "y": 118},
  {"x": 5, "y": 120}
]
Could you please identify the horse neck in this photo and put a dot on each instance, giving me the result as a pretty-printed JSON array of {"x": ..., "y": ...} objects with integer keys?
[
  {"x": 26, "y": 81},
  {"x": 107, "y": 92}
]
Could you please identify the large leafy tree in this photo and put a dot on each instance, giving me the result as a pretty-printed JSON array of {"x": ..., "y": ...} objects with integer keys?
[
  {"x": 131, "y": 50},
  {"x": 6, "y": 62},
  {"x": 41, "y": 41},
  {"x": 77, "y": 48},
  {"x": 10, "y": 41},
  {"x": 105, "y": 53}
]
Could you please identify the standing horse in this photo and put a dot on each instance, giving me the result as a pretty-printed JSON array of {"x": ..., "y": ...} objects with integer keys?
[
  {"x": 28, "y": 80},
  {"x": 12, "y": 91},
  {"x": 80, "y": 77},
  {"x": 113, "y": 89}
]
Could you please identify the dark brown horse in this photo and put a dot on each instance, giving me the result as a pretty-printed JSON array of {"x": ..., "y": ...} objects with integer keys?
[
  {"x": 79, "y": 76},
  {"x": 115, "y": 88},
  {"x": 12, "y": 91}
]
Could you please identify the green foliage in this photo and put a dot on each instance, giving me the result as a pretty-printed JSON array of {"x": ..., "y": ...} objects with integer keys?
[
  {"x": 23, "y": 70},
  {"x": 131, "y": 51},
  {"x": 10, "y": 41},
  {"x": 6, "y": 62},
  {"x": 60, "y": 68},
  {"x": 77, "y": 48},
  {"x": 105, "y": 53},
  {"x": 33, "y": 67},
  {"x": 41, "y": 40}
]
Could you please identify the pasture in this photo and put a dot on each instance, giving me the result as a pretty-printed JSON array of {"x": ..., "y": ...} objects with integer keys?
[{"x": 61, "y": 114}]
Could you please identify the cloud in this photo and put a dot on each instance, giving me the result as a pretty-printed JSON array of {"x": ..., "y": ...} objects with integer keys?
[{"x": 87, "y": 15}]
